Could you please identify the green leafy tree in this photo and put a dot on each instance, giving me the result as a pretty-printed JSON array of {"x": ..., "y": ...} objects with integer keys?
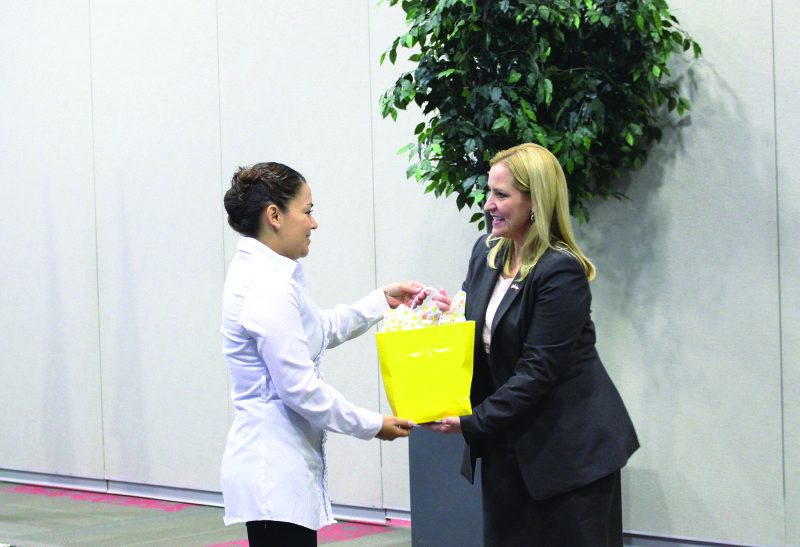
[{"x": 587, "y": 79}]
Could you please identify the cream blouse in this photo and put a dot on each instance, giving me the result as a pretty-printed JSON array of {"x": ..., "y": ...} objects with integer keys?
[{"x": 500, "y": 290}]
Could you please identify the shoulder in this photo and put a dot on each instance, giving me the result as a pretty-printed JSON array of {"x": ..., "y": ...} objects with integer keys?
[
  {"x": 272, "y": 289},
  {"x": 561, "y": 257},
  {"x": 482, "y": 246},
  {"x": 559, "y": 262},
  {"x": 480, "y": 243}
]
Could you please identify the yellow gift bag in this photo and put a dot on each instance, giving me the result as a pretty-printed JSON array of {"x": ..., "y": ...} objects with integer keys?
[{"x": 427, "y": 367}]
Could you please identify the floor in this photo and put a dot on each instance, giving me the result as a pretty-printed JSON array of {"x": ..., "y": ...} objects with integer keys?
[{"x": 33, "y": 516}]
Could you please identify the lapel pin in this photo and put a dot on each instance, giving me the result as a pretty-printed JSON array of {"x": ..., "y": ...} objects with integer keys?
[{"x": 515, "y": 287}]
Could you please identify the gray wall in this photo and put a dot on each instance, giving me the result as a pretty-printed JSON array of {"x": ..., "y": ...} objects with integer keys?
[
  {"x": 123, "y": 121},
  {"x": 693, "y": 300}
]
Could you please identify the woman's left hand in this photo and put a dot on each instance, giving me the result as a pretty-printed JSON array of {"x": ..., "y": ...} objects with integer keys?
[
  {"x": 403, "y": 293},
  {"x": 447, "y": 425}
]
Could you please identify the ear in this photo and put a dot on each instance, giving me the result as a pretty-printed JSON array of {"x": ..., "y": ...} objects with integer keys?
[{"x": 271, "y": 216}]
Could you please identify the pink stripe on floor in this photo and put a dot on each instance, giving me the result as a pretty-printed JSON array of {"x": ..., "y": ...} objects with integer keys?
[
  {"x": 341, "y": 531},
  {"x": 95, "y": 497}
]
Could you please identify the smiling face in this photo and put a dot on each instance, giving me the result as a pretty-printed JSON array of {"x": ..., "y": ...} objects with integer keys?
[
  {"x": 509, "y": 207},
  {"x": 296, "y": 223}
]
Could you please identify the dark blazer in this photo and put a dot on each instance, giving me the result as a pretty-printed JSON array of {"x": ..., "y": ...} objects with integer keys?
[{"x": 546, "y": 390}]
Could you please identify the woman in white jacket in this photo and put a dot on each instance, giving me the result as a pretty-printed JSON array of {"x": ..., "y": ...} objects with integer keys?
[{"x": 274, "y": 476}]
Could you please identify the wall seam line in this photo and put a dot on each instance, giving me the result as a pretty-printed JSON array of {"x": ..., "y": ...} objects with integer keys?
[
  {"x": 217, "y": 10},
  {"x": 374, "y": 215},
  {"x": 96, "y": 238},
  {"x": 780, "y": 285}
]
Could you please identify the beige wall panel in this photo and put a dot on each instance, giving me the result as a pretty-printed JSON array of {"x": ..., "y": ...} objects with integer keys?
[
  {"x": 417, "y": 236},
  {"x": 687, "y": 303},
  {"x": 295, "y": 89},
  {"x": 51, "y": 419},
  {"x": 159, "y": 240}
]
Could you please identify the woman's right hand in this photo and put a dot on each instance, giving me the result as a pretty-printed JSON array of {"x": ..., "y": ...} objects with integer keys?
[{"x": 393, "y": 428}]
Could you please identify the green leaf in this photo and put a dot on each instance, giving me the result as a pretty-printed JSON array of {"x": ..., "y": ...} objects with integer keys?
[
  {"x": 514, "y": 77},
  {"x": 406, "y": 148},
  {"x": 548, "y": 91}
]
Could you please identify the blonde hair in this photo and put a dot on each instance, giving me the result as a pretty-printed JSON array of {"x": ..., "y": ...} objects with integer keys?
[{"x": 537, "y": 172}]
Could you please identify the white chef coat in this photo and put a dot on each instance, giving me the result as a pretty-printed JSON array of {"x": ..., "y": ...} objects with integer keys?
[{"x": 273, "y": 335}]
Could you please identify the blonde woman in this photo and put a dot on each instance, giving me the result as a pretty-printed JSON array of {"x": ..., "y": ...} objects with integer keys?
[{"x": 549, "y": 426}]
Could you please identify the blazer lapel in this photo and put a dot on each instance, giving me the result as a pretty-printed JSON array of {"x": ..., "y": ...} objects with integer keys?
[
  {"x": 511, "y": 294},
  {"x": 482, "y": 294}
]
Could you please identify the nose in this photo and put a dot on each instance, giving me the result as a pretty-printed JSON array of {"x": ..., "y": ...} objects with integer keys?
[
  {"x": 314, "y": 224},
  {"x": 489, "y": 204}
]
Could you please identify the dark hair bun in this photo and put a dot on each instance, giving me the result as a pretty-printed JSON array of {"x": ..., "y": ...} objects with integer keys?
[
  {"x": 253, "y": 188},
  {"x": 245, "y": 178}
]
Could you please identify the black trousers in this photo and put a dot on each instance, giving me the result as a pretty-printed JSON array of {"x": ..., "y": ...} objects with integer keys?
[
  {"x": 273, "y": 533},
  {"x": 589, "y": 516}
]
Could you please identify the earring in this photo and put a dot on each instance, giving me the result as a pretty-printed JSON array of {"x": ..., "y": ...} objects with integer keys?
[{"x": 533, "y": 218}]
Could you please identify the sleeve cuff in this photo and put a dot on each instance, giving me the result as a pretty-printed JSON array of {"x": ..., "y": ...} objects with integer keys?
[
  {"x": 380, "y": 298},
  {"x": 469, "y": 429},
  {"x": 376, "y": 423}
]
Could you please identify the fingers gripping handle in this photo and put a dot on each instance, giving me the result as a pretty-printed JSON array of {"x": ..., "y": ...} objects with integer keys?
[{"x": 430, "y": 290}]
